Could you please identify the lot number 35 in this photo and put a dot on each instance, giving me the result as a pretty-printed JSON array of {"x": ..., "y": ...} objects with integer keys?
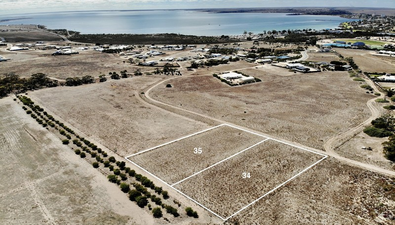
[{"x": 197, "y": 151}]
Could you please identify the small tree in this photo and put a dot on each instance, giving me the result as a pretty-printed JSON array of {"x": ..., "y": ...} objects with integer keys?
[
  {"x": 65, "y": 141},
  {"x": 133, "y": 194},
  {"x": 111, "y": 159},
  {"x": 165, "y": 194},
  {"x": 142, "y": 201},
  {"x": 112, "y": 178},
  {"x": 157, "y": 212},
  {"x": 125, "y": 187},
  {"x": 82, "y": 155},
  {"x": 95, "y": 165}
]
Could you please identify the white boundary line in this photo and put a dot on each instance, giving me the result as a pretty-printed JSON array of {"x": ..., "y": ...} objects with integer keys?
[
  {"x": 274, "y": 189},
  {"x": 211, "y": 128},
  {"x": 176, "y": 189},
  {"x": 219, "y": 162},
  {"x": 242, "y": 129}
]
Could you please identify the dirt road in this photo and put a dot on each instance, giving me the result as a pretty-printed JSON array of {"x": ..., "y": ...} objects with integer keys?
[{"x": 329, "y": 144}]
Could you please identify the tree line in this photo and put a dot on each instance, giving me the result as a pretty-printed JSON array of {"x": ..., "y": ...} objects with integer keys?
[{"x": 139, "y": 188}]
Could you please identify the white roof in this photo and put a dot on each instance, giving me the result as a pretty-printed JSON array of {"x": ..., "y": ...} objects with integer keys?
[{"x": 231, "y": 75}]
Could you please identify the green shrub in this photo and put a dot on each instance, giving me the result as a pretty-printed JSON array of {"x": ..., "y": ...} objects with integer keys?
[
  {"x": 141, "y": 201},
  {"x": 95, "y": 165},
  {"x": 65, "y": 141},
  {"x": 132, "y": 173},
  {"x": 157, "y": 212},
  {"x": 112, "y": 159},
  {"x": 389, "y": 107},
  {"x": 382, "y": 100},
  {"x": 165, "y": 194},
  {"x": 77, "y": 151},
  {"x": 112, "y": 178},
  {"x": 106, "y": 164},
  {"x": 117, "y": 171},
  {"x": 82, "y": 155},
  {"x": 123, "y": 176},
  {"x": 376, "y": 132},
  {"x": 358, "y": 79},
  {"x": 133, "y": 194},
  {"x": 125, "y": 187}
]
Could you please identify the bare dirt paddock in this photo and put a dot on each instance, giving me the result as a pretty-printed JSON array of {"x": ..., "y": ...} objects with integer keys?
[
  {"x": 112, "y": 114},
  {"x": 368, "y": 62},
  {"x": 178, "y": 160},
  {"x": 44, "y": 182},
  {"x": 89, "y": 62},
  {"x": 329, "y": 193},
  {"x": 305, "y": 108},
  {"x": 233, "y": 184}
]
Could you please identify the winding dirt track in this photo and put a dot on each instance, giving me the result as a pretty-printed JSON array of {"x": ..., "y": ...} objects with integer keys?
[{"x": 329, "y": 146}]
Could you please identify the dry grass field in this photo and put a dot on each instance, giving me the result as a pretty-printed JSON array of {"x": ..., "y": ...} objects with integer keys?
[
  {"x": 44, "y": 182},
  {"x": 329, "y": 193},
  {"x": 306, "y": 108},
  {"x": 112, "y": 114},
  {"x": 354, "y": 149},
  {"x": 89, "y": 62},
  {"x": 223, "y": 188},
  {"x": 322, "y": 57},
  {"x": 178, "y": 160},
  {"x": 368, "y": 62}
]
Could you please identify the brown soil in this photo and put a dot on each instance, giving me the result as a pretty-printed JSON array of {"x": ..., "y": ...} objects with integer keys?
[
  {"x": 112, "y": 114},
  {"x": 305, "y": 108},
  {"x": 223, "y": 188},
  {"x": 329, "y": 193},
  {"x": 48, "y": 184},
  {"x": 368, "y": 62},
  {"x": 178, "y": 160}
]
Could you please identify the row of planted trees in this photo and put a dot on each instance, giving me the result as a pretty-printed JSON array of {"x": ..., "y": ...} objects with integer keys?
[{"x": 139, "y": 188}]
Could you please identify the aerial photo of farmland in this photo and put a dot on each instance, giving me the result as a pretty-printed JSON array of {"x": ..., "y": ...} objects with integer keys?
[{"x": 194, "y": 112}]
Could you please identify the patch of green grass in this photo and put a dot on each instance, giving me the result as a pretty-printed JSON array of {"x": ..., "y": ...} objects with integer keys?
[
  {"x": 389, "y": 107},
  {"x": 377, "y": 94},
  {"x": 367, "y": 42},
  {"x": 376, "y": 132},
  {"x": 358, "y": 79},
  {"x": 381, "y": 100}
]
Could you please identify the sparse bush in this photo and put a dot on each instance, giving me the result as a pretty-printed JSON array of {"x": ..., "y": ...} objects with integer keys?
[
  {"x": 141, "y": 201},
  {"x": 125, "y": 187},
  {"x": 376, "y": 132},
  {"x": 112, "y": 178},
  {"x": 112, "y": 159},
  {"x": 165, "y": 194},
  {"x": 132, "y": 173},
  {"x": 117, "y": 171},
  {"x": 133, "y": 194},
  {"x": 157, "y": 212},
  {"x": 171, "y": 210}
]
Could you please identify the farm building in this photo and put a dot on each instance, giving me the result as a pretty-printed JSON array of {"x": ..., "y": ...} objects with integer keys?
[
  {"x": 358, "y": 45},
  {"x": 231, "y": 75},
  {"x": 387, "y": 78}
]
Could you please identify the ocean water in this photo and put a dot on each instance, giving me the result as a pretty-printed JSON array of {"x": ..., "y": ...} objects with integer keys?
[{"x": 173, "y": 21}]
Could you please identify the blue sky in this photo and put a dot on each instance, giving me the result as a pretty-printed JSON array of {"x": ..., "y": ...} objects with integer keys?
[{"x": 31, "y": 6}]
